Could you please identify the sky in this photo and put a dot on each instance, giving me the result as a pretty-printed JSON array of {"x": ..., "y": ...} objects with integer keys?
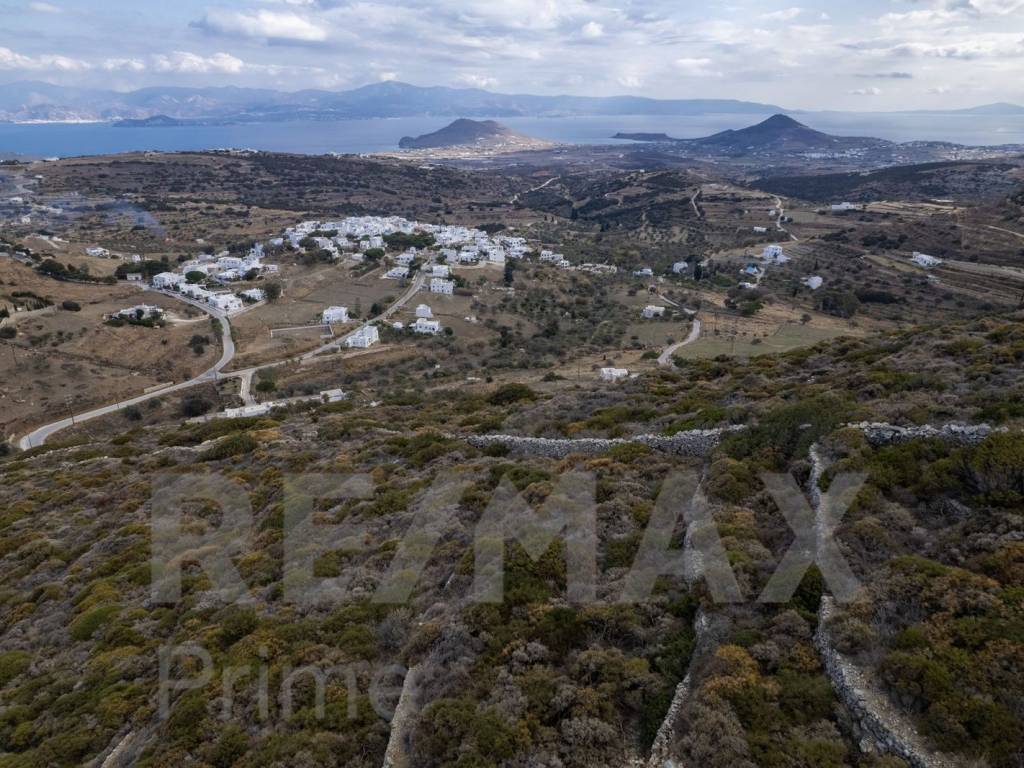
[{"x": 865, "y": 56}]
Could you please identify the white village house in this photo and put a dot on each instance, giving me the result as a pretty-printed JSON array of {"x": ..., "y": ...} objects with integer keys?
[
  {"x": 167, "y": 280},
  {"x": 445, "y": 287},
  {"x": 422, "y": 325},
  {"x": 652, "y": 311},
  {"x": 364, "y": 337},
  {"x": 423, "y": 310},
  {"x": 334, "y": 315}
]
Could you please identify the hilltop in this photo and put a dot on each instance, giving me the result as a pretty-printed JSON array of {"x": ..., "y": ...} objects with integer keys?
[{"x": 460, "y": 132}]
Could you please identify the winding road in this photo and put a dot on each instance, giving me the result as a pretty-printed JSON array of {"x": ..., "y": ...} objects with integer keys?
[
  {"x": 39, "y": 435},
  {"x": 665, "y": 358}
]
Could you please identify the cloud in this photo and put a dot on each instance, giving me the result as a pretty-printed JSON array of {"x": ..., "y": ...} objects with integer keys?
[
  {"x": 886, "y": 76},
  {"x": 592, "y": 30},
  {"x": 264, "y": 24},
  {"x": 784, "y": 15},
  {"x": 865, "y": 92},
  {"x": 693, "y": 67},
  {"x": 43, "y": 8},
  {"x": 475, "y": 80},
  {"x": 129, "y": 65},
  {"x": 12, "y": 60},
  {"x": 939, "y": 90},
  {"x": 183, "y": 62}
]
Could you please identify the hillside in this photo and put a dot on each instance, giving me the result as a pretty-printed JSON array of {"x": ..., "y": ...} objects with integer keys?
[
  {"x": 778, "y": 133},
  {"x": 462, "y": 132}
]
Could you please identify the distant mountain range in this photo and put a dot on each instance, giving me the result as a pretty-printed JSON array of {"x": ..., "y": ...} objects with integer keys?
[
  {"x": 39, "y": 101},
  {"x": 28, "y": 101}
]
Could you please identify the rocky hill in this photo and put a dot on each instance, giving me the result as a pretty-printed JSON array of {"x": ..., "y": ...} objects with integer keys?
[{"x": 465, "y": 132}]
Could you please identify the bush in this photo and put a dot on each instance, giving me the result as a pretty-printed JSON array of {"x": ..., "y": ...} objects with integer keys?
[
  {"x": 12, "y": 664},
  {"x": 232, "y": 445},
  {"x": 71, "y": 306},
  {"x": 194, "y": 405},
  {"x": 507, "y": 394}
]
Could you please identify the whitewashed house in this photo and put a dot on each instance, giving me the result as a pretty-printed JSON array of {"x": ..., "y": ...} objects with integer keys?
[
  {"x": 97, "y": 251},
  {"x": 643, "y": 272},
  {"x": 141, "y": 312},
  {"x": 225, "y": 302},
  {"x": 679, "y": 267},
  {"x": 652, "y": 311},
  {"x": 422, "y": 325},
  {"x": 838, "y": 207},
  {"x": 774, "y": 254},
  {"x": 332, "y": 395},
  {"x": 814, "y": 282},
  {"x": 440, "y": 270},
  {"x": 364, "y": 337},
  {"x": 445, "y": 287},
  {"x": 168, "y": 280},
  {"x": 334, "y": 315},
  {"x": 760, "y": 230},
  {"x": 407, "y": 258},
  {"x": 133, "y": 277},
  {"x": 613, "y": 374},
  {"x": 396, "y": 273},
  {"x": 254, "y": 294},
  {"x": 423, "y": 310}
]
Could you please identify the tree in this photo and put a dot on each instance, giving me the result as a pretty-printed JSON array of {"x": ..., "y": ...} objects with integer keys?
[
  {"x": 509, "y": 270},
  {"x": 272, "y": 291},
  {"x": 195, "y": 276}
]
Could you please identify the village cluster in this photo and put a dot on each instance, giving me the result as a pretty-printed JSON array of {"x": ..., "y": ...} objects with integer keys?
[{"x": 194, "y": 275}]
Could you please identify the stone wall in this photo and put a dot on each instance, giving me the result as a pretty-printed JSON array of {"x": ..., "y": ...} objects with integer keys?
[
  {"x": 878, "y": 725},
  {"x": 960, "y": 434},
  {"x": 697, "y": 442}
]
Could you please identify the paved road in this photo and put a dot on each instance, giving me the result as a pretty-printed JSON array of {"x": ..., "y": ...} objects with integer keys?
[
  {"x": 665, "y": 358},
  {"x": 39, "y": 436}
]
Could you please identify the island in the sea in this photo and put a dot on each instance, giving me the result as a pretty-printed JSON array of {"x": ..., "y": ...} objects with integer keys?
[{"x": 477, "y": 136}]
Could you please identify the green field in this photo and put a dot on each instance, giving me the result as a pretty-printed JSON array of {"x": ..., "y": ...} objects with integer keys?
[{"x": 787, "y": 337}]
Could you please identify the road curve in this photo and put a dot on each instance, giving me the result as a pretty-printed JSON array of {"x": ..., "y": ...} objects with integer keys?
[
  {"x": 39, "y": 435},
  {"x": 665, "y": 358}
]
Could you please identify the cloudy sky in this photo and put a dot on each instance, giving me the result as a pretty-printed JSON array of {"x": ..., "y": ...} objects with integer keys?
[{"x": 870, "y": 55}]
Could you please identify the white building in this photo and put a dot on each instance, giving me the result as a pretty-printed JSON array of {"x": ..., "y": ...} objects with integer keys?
[
  {"x": 133, "y": 277},
  {"x": 364, "y": 337},
  {"x": 168, "y": 280},
  {"x": 813, "y": 282},
  {"x": 332, "y": 395},
  {"x": 924, "y": 260},
  {"x": 422, "y": 325},
  {"x": 446, "y": 287},
  {"x": 613, "y": 374},
  {"x": 225, "y": 302},
  {"x": 679, "y": 267},
  {"x": 652, "y": 310},
  {"x": 405, "y": 259},
  {"x": 424, "y": 311},
  {"x": 140, "y": 311},
  {"x": 334, "y": 315},
  {"x": 97, "y": 251},
  {"x": 643, "y": 272},
  {"x": 440, "y": 270},
  {"x": 760, "y": 230},
  {"x": 774, "y": 254},
  {"x": 837, "y": 207},
  {"x": 254, "y": 294},
  {"x": 396, "y": 273}
]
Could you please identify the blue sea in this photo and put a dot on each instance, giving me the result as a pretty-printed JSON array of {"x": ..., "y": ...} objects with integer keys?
[{"x": 382, "y": 135}]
